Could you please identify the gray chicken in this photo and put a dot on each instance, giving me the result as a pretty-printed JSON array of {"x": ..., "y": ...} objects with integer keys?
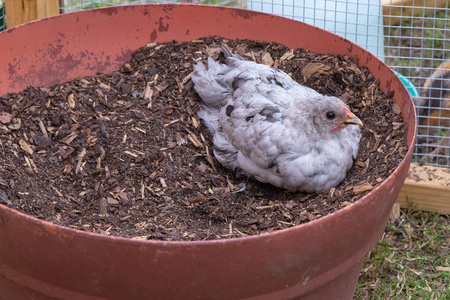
[{"x": 268, "y": 126}]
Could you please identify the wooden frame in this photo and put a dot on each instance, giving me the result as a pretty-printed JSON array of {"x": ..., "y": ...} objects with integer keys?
[
  {"x": 426, "y": 188},
  {"x": 23, "y": 11}
]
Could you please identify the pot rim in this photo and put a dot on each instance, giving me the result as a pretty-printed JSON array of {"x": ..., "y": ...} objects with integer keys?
[{"x": 313, "y": 223}]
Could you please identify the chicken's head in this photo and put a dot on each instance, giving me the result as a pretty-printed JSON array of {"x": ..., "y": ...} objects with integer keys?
[{"x": 331, "y": 114}]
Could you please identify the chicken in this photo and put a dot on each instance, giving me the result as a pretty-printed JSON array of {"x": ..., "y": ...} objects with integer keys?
[
  {"x": 437, "y": 97},
  {"x": 266, "y": 125}
]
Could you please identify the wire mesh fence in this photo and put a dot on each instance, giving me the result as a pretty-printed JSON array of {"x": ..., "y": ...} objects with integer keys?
[
  {"x": 411, "y": 36},
  {"x": 417, "y": 48}
]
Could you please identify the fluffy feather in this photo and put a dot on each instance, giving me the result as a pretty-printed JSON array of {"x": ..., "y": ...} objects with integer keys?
[{"x": 272, "y": 128}]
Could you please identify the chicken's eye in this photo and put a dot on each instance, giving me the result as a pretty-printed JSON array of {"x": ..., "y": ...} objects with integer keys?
[{"x": 330, "y": 115}]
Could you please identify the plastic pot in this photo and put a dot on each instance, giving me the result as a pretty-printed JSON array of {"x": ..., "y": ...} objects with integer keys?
[{"x": 317, "y": 260}]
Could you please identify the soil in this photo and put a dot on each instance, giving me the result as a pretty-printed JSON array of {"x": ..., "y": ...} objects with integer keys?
[{"x": 125, "y": 153}]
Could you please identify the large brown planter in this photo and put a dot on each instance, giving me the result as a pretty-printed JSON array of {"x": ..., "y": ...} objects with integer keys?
[{"x": 318, "y": 260}]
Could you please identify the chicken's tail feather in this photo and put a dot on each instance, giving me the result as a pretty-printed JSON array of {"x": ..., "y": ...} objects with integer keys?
[
  {"x": 206, "y": 85},
  {"x": 227, "y": 52}
]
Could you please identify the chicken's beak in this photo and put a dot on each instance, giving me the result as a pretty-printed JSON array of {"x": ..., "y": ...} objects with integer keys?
[{"x": 352, "y": 120}]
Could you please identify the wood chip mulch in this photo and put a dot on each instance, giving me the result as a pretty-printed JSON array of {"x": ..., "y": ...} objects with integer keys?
[{"x": 125, "y": 154}]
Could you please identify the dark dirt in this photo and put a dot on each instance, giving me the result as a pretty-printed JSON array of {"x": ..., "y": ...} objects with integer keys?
[{"x": 125, "y": 154}]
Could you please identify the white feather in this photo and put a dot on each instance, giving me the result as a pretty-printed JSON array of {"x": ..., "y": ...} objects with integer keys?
[{"x": 270, "y": 127}]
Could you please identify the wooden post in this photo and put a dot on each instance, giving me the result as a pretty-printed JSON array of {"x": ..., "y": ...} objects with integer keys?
[
  {"x": 23, "y": 11},
  {"x": 426, "y": 188}
]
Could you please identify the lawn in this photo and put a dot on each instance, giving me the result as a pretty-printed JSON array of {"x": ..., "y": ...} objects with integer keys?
[{"x": 412, "y": 260}]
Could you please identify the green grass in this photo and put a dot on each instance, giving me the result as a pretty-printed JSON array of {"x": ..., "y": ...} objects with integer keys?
[{"x": 412, "y": 260}]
